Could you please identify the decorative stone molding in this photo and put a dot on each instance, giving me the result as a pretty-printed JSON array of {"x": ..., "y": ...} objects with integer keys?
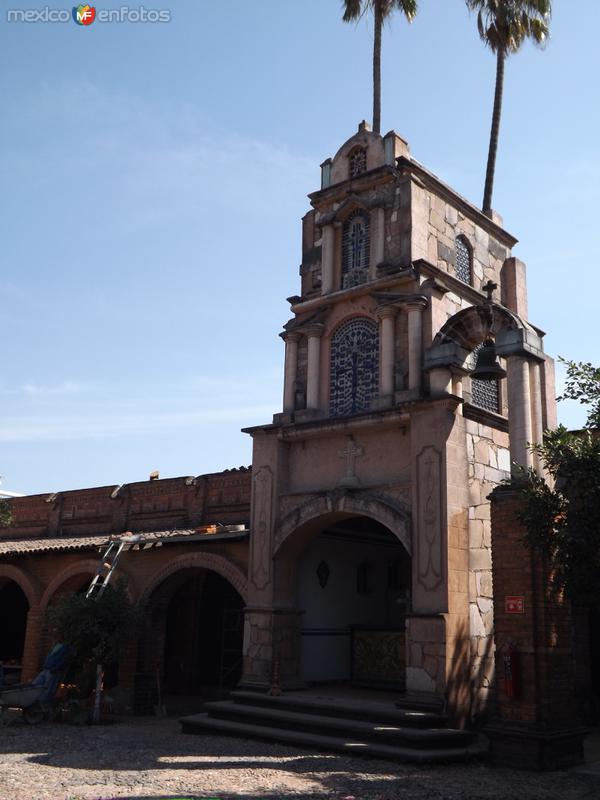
[
  {"x": 260, "y": 545},
  {"x": 352, "y": 503}
]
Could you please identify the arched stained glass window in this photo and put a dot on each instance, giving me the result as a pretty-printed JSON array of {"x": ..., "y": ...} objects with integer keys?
[
  {"x": 354, "y": 370},
  {"x": 485, "y": 394},
  {"x": 463, "y": 259},
  {"x": 358, "y": 161},
  {"x": 355, "y": 250}
]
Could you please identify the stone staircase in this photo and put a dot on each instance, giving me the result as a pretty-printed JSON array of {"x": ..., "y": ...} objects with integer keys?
[{"x": 379, "y": 730}]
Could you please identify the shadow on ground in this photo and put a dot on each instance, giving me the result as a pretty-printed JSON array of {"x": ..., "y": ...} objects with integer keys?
[{"x": 142, "y": 750}]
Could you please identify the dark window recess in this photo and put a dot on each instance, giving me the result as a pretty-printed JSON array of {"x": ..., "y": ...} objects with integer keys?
[
  {"x": 355, "y": 250},
  {"x": 463, "y": 260},
  {"x": 358, "y": 161}
]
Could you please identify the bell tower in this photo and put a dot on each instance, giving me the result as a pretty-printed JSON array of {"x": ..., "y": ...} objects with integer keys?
[{"x": 388, "y": 427}]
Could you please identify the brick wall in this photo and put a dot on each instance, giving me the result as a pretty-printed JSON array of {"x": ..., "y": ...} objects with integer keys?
[
  {"x": 543, "y": 634},
  {"x": 143, "y": 506}
]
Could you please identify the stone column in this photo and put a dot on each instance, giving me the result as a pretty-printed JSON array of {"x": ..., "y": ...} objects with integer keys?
[
  {"x": 291, "y": 364},
  {"x": 377, "y": 240},
  {"x": 537, "y": 424},
  {"x": 327, "y": 259},
  {"x": 519, "y": 410},
  {"x": 31, "y": 658},
  {"x": 314, "y": 333},
  {"x": 387, "y": 315},
  {"x": 457, "y": 389},
  {"x": 415, "y": 343}
]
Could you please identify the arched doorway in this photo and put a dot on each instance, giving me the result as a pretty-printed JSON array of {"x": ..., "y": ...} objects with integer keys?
[
  {"x": 14, "y": 608},
  {"x": 197, "y": 623},
  {"x": 342, "y": 572},
  {"x": 353, "y": 588}
]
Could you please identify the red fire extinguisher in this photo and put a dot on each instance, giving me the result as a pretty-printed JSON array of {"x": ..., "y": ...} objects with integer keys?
[{"x": 512, "y": 671}]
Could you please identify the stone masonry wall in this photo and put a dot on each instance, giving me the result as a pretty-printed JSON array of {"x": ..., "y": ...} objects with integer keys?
[{"x": 488, "y": 461}]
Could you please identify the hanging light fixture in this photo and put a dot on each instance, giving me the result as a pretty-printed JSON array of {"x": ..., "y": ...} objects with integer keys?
[{"x": 487, "y": 366}]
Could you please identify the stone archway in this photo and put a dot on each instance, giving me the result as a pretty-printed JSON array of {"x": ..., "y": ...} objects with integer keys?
[
  {"x": 343, "y": 563},
  {"x": 338, "y": 505}
]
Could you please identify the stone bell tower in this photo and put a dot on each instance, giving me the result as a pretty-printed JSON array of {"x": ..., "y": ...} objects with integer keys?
[{"x": 384, "y": 433}]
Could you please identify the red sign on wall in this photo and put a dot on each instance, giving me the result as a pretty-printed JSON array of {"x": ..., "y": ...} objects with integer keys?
[{"x": 514, "y": 605}]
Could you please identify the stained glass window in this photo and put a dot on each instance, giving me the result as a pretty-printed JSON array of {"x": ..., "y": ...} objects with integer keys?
[
  {"x": 463, "y": 260},
  {"x": 355, "y": 250},
  {"x": 485, "y": 394},
  {"x": 354, "y": 375},
  {"x": 358, "y": 161}
]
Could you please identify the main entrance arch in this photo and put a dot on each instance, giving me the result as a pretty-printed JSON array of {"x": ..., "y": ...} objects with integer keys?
[{"x": 349, "y": 576}]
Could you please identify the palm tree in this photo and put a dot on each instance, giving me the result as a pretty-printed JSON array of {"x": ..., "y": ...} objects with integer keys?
[
  {"x": 503, "y": 26},
  {"x": 353, "y": 10}
]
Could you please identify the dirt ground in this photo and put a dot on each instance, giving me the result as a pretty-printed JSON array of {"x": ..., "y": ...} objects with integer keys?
[{"x": 149, "y": 759}]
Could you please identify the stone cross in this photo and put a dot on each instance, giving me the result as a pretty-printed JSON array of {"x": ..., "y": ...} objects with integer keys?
[
  {"x": 351, "y": 452},
  {"x": 489, "y": 289}
]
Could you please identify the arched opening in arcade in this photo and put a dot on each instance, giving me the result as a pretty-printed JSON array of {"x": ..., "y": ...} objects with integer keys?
[
  {"x": 14, "y": 608},
  {"x": 196, "y": 620},
  {"x": 350, "y": 579}
]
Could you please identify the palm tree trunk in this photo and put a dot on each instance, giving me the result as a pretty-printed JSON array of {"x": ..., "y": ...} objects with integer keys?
[
  {"x": 378, "y": 23},
  {"x": 494, "y": 133}
]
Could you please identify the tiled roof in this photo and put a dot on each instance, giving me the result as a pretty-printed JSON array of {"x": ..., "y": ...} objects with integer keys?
[{"x": 148, "y": 539}]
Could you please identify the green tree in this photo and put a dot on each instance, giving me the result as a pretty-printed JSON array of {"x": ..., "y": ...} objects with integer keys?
[
  {"x": 382, "y": 9},
  {"x": 563, "y": 520},
  {"x": 503, "y": 26},
  {"x": 94, "y": 628}
]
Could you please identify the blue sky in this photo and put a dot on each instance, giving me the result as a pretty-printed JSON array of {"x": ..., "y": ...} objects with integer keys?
[{"x": 153, "y": 180}]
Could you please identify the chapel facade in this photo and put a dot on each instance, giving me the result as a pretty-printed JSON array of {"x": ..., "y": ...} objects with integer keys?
[
  {"x": 357, "y": 548},
  {"x": 370, "y": 555}
]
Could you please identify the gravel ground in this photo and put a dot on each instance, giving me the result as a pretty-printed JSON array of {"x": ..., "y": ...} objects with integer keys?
[{"x": 148, "y": 759}]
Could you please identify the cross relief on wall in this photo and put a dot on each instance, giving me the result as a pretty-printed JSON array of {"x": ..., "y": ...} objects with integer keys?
[{"x": 350, "y": 453}]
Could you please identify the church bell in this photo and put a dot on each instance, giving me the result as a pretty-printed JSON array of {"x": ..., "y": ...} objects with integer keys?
[{"x": 487, "y": 367}]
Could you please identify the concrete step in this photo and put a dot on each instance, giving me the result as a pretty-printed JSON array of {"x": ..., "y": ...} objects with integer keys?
[
  {"x": 382, "y": 731},
  {"x": 366, "y": 711},
  {"x": 203, "y": 723}
]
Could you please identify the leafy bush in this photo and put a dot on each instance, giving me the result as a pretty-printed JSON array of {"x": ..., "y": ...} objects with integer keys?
[{"x": 95, "y": 627}]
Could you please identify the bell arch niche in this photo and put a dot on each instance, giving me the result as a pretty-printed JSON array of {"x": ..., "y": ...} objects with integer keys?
[{"x": 354, "y": 367}]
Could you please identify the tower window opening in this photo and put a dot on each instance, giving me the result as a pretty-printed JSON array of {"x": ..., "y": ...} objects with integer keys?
[
  {"x": 485, "y": 394},
  {"x": 355, "y": 250},
  {"x": 463, "y": 260},
  {"x": 354, "y": 370},
  {"x": 358, "y": 161}
]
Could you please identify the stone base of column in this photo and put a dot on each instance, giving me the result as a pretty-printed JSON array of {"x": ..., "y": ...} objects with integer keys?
[
  {"x": 426, "y": 654},
  {"x": 526, "y": 747},
  {"x": 406, "y": 395},
  {"x": 284, "y": 418},
  {"x": 382, "y": 402}
]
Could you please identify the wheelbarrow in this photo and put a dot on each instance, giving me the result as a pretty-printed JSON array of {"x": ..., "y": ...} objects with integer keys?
[{"x": 25, "y": 696}]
